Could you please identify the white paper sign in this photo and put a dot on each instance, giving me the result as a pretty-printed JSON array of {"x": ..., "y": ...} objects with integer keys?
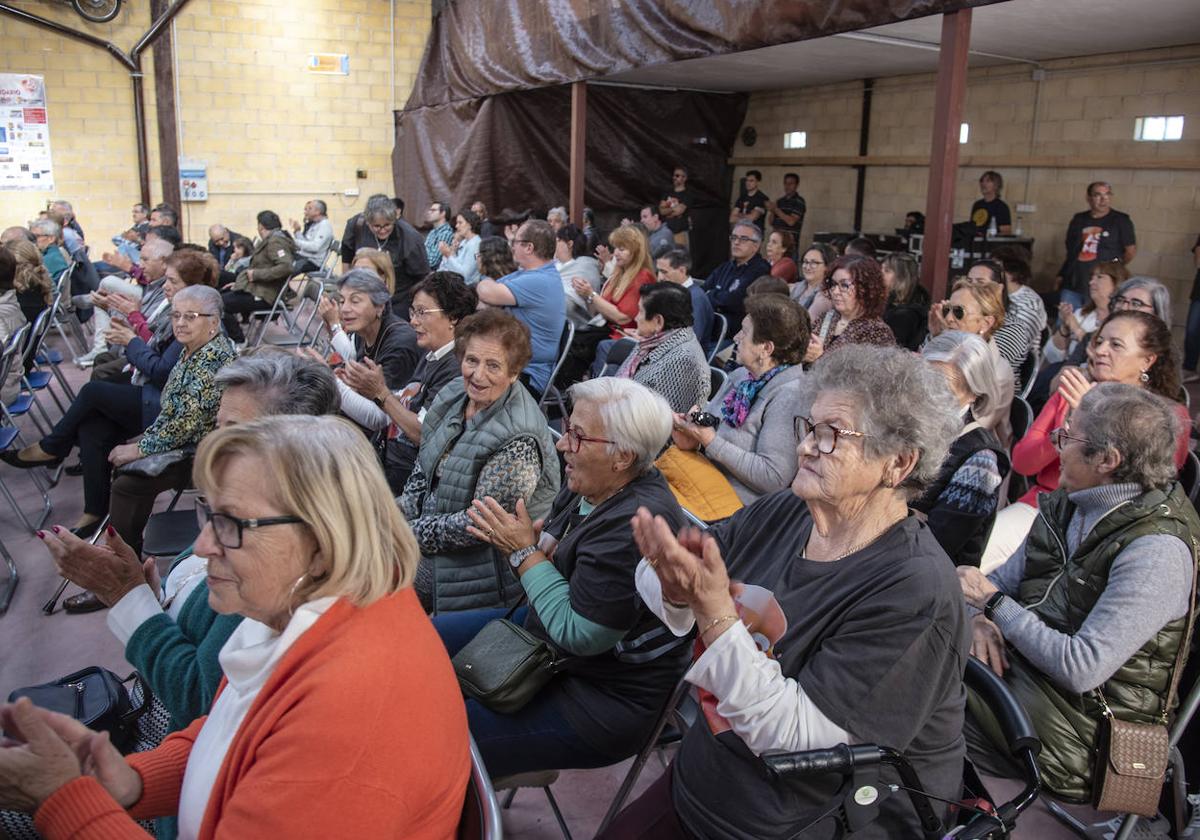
[{"x": 24, "y": 134}]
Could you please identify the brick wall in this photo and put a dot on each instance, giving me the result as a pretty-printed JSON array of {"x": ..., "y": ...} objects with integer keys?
[
  {"x": 272, "y": 134},
  {"x": 1085, "y": 115}
]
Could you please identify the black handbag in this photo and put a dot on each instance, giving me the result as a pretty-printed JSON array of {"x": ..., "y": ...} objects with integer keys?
[
  {"x": 505, "y": 666},
  {"x": 96, "y": 697}
]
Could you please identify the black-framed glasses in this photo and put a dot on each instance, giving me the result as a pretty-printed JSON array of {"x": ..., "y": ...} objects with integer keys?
[
  {"x": 826, "y": 434},
  {"x": 576, "y": 439},
  {"x": 1060, "y": 436},
  {"x": 844, "y": 285},
  {"x": 959, "y": 312},
  {"x": 736, "y": 238},
  {"x": 1121, "y": 300},
  {"x": 229, "y": 529}
]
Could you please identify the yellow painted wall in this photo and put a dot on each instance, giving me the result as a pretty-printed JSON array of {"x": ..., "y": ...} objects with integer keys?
[
  {"x": 272, "y": 135},
  {"x": 1085, "y": 111}
]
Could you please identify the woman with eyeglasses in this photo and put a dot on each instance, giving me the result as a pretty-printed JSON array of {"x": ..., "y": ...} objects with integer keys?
[
  {"x": 1086, "y": 618},
  {"x": 576, "y": 568},
  {"x": 856, "y": 291},
  {"x": 103, "y": 415},
  {"x": 1132, "y": 348},
  {"x": 483, "y": 435},
  {"x": 1143, "y": 294},
  {"x": 815, "y": 266},
  {"x": 303, "y": 540},
  {"x": 825, "y": 614}
]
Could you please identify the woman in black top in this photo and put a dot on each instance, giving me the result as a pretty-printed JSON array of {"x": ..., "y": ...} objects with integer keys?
[{"x": 907, "y": 311}]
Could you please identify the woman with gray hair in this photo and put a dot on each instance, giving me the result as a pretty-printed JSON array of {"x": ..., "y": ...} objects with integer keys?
[
  {"x": 1143, "y": 294},
  {"x": 862, "y": 635},
  {"x": 578, "y": 573},
  {"x": 1096, "y": 600},
  {"x": 380, "y": 227},
  {"x": 363, "y": 326},
  {"x": 961, "y": 503}
]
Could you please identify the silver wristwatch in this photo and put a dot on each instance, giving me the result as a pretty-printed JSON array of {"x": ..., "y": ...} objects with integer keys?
[{"x": 520, "y": 556}]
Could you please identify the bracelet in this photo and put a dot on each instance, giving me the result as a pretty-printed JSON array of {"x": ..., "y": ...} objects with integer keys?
[{"x": 717, "y": 621}]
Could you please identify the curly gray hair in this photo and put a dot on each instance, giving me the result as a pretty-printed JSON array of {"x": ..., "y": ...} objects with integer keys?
[
  {"x": 1142, "y": 427},
  {"x": 905, "y": 405}
]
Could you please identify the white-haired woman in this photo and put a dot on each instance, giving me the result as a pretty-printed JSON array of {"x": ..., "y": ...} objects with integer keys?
[
  {"x": 826, "y": 613},
  {"x": 1096, "y": 600},
  {"x": 961, "y": 502},
  {"x": 578, "y": 573},
  {"x": 302, "y": 538}
]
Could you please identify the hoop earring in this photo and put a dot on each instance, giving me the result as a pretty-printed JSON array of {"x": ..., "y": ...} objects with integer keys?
[
  {"x": 292, "y": 594},
  {"x": 1145, "y": 377}
]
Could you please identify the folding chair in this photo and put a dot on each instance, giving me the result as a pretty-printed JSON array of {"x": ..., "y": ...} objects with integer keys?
[
  {"x": 10, "y": 583},
  {"x": 300, "y": 332},
  {"x": 261, "y": 319},
  {"x": 481, "y": 815},
  {"x": 724, "y": 328},
  {"x": 54, "y": 358},
  {"x": 538, "y": 779},
  {"x": 10, "y": 434},
  {"x": 170, "y": 532},
  {"x": 65, "y": 319},
  {"x": 39, "y": 380},
  {"x": 718, "y": 378},
  {"x": 1029, "y": 371},
  {"x": 328, "y": 262},
  {"x": 552, "y": 391}
]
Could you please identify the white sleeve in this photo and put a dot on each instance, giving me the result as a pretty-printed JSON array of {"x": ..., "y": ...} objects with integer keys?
[
  {"x": 137, "y": 606},
  {"x": 360, "y": 409},
  {"x": 344, "y": 345},
  {"x": 767, "y": 710},
  {"x": 679, "y": 620}
]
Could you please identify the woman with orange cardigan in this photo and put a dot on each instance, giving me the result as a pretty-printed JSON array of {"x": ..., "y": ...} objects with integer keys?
[{"x": 340, "y": 715}]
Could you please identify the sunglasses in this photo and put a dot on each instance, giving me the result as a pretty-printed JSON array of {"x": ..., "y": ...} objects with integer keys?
[{"x": 959, "y": 312}]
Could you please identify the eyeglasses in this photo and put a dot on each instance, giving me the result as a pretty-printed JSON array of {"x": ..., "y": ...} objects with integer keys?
[
  {"x": 734, "y": 239},
  {"x": 380, "y": 228},
  {"x": 229, "y": 529},
  {"x": 826, "y": 434},
  {"x": 576, "y": 439},
  {"x": 811, "y": 263},
  {"x": 1121, "y": 300},
  {"x": 959, "y": 312},
  {"x": 522, "y": 242},
  {"x": 190, "y": 317},
  {"x": 414, "y": 313},
  {"x": 844, "y": 285},
  {"x": 1060, "y": 436}
]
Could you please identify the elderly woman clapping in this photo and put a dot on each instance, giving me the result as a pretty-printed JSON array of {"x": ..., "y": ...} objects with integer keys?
[
  {"x": 578, "y": 573},
  {"x": 827, "y": 613},
  {"x": 1095, "y": 602},
  {"x": 302, "y": 538}
]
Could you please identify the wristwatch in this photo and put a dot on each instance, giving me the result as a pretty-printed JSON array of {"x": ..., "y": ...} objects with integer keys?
[
  {"x": 520, "y": 555},
  {"x": 992, "y": 604},
  {"x": 379, "y": 401}
]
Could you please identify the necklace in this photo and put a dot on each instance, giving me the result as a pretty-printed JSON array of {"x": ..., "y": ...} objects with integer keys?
[{"x": 859, "y": 547}]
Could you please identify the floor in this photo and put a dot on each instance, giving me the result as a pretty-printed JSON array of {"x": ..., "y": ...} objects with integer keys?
[{"x": 35, "y": 647}]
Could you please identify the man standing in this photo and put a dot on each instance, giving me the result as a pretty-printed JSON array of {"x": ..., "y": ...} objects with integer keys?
[
  {"x": 313, "y": 241},
  {"x": 751, "y": 205},
  {"x": 1098, "y": 234},
  {"x": 674, "y": 206},
  {"x": 534, "y": 294},
  {"x": 675, "y": 267},
  {"x": 661, "y": 239},
  {"x": 437, "y": 215},
  {"x": 726, "y": 286},
  {"x": 991, "y": 208},
  {"x": 787, "y": 214}
]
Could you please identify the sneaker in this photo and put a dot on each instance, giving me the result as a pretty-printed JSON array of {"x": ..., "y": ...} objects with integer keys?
[{"x": 88, "y": 359}]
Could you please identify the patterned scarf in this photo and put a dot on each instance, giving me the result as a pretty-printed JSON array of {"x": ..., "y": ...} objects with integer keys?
[
  {"x": 645, "y": 347},
  {"x": 741, "y": 396}
]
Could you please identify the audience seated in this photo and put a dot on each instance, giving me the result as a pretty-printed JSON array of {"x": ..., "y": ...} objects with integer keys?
[
  {"x": 1086, "y": 618},
  {"x": 668, "y": 359},
  {"x": 1143, "y": 294},
  {"x": 11, "y": 320},
  {"x": 461, "y": 254},
  {"x": 380, "y": 227},
  {"x": 1133, "y": 348},
  {"x": 438, "y": 218},
  {"x": 675, "y": 267},
  {"x": 855, "y": 290},
  {"x": 1026, "y": 312},
  {"x": 48, "y": 236},
  {"x": 372, "y": 259},
  {"x": 572, "y": 261},
  {"x": 483, "y": 436},
  {"x": 975, "y": 306},
  {"x": 754, "y": 445},
  {"x": 257, "y": 286},
  {"x": 326, "y": 596},
  {"x": 907, "y": 311},
  {"x": 578, "y": 574},
  {"x": 855, "y": 630},
  {"x": 780, "y": 245},
  {"x": 769, "y": 285},
  {"x": 727, "y": 285},
  {"x": 816, "y": 265},
  {"x": 221, "y": 243},
  {"x": 314, "y": 238},
  {"x": 658, "y": 235},
  {"x": 495, "y": 258},
  {"x": 440, "y": 301},
  {"x": 131, "y": 289},
  {"x": 960, "y": 504},
  {"x": 32, "y": 282}
]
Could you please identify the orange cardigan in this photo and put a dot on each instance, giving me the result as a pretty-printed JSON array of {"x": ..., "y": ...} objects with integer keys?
[{"x": 360, "y": 731}]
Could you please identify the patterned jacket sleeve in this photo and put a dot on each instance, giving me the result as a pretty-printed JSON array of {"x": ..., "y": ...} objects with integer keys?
[{"x": 189, "y": 400}]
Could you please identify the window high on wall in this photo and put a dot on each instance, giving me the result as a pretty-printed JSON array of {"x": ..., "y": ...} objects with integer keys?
[
  {"x": 964, "y": 132},
  {"x": 795, "y": 140},
  {"x": 1158, "y": 128}
]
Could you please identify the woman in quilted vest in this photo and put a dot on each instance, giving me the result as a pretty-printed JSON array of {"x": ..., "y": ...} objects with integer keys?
[
  {"x": 484, "y": 435},
  {"x": 1091, "y": 611}
]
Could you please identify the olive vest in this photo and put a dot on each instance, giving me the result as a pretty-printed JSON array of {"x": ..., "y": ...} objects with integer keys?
[
  {"x": 1061, "y": 591},
  {"x": 453, "y": 453}
]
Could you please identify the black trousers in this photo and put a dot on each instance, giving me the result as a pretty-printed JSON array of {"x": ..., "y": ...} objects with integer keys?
[
  {"x": 133, "y": 499},
  {"x": 104, "y": 415},
  {"x": 238, "y": 303}
]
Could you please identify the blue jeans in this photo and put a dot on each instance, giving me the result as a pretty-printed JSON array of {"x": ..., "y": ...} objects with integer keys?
[
  {"x": 1072, "y": 297},
  {"x": 536, "y": 737},
  {"x": 1191, "y": 340}
]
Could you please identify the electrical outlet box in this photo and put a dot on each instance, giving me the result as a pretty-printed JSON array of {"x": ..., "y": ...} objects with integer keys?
[
  {"x": 352, "y": 192},
  {"x": 1026, "y": 208},
  {"x": 361, "y": 174}
]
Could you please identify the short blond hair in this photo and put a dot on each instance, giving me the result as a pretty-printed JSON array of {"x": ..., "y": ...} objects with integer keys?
[
  {"x": 325, "y": 473},
  {"x": 381, "y": 264},
  {"x": 988, "y": 295}
]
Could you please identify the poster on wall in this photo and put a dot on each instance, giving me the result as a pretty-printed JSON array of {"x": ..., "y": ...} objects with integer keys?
[{"x": 24, "y": 134}]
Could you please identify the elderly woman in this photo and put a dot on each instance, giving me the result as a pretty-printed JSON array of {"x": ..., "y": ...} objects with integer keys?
[
  {"x": 380, "y": 227},
  {"x": 825, "y": 614},
  {"x": 961, "y": 502},
  {"x": 463, "y": 257},
  {"x": 440, "y": 301},
  {"x": 816, "y": 264},
  {"x": 484, "y": 435},
  {"x": 668, "y": 358},
  {"x": 855, "y": 289},
  {"x": 907, "y": 301},
  {"x": 379, "y": 262},
  {"x": 1143, "y": 294},
  {"x": 754, "y": 444},
  {"x": 101, "y": 417},
  {"x": 1096, "y": 600},
  {"x": 363, "y": 326},
  {"x": 578, "y": 573},
  {"x": 302, "y": 539}
]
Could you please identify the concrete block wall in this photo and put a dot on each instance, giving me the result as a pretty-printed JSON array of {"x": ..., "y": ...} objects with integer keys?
[{"x": 272, "y": 134}]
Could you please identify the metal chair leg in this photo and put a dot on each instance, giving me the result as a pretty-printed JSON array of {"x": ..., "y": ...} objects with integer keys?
[
  {"x": 10, "y": 585},
  {"x": 562, "y": 824}
]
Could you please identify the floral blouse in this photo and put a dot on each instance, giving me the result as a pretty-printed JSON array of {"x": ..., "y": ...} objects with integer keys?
[{"x": 189, "y": 399}]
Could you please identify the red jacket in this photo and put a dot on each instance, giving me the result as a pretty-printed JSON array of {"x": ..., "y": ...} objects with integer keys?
[{"x": 360, "y": 731}]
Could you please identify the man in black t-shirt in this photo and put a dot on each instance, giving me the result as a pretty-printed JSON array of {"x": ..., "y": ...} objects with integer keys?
[
  {"x": 1098, "y": 234},
  {"x": 787, "y": 214},
  {"x": 991, "y": 206},
  {"x": 674, "y": 206},
  {"x": 751, "y": 205}
]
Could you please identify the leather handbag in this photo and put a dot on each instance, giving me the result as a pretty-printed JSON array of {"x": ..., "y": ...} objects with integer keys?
[
  {"x": 96, "y": 697},
  {"x": 505, "y": 666},
  {"x": 152, "y": 466}
]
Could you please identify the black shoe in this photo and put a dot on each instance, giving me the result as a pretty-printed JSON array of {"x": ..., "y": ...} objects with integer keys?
[
  {"x": 84, "y": 602},
  {"x": 74, "y": 469},
  {"x": 86, "y": 532},
  {"x": 13, "y": 458}
]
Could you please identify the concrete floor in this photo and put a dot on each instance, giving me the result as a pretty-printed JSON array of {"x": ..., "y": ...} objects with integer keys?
[{"x": 35, "y": 647}]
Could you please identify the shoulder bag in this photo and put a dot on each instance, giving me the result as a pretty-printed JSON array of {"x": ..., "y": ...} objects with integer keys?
[{"x": 96, "y": 697}]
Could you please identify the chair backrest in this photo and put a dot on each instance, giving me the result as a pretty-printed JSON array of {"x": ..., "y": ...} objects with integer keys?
[
  {"x": 564, "y": 347},
  {"x": 1185, "y": 397},
  {"x": 1189, "y": 475},
  {"x": 14, "y": 351},
  {"x": 38, "y": 333},
  {"x": 717, "y": 378},
  {"x": 1020, "y": 416},
  {"x": 722, "y": 329},
  {"x": 1028, "y": 372},
  {"x": 481, "y": 815}
]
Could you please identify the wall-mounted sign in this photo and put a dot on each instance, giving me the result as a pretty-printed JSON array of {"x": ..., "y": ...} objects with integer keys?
[
  {"x": 24, "y": 134},
  {"x": 193, "y": 180},
  {"x": 333, "y": 64}
]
